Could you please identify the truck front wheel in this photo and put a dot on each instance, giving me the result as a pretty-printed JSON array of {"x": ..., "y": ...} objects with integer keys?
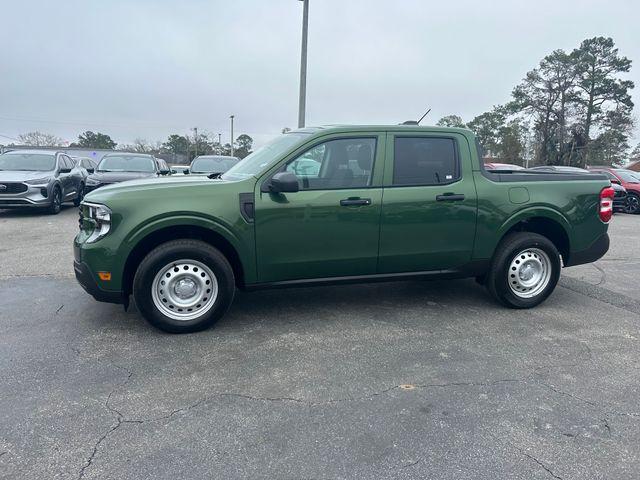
[
  {"x": 524, "y": 271},
  {"x": 184, "y": 286}
]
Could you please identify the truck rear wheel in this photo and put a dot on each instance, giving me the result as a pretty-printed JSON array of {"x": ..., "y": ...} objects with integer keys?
[
  {"x": 184, "y": 286},
  {"x": 524, "y": 271}
]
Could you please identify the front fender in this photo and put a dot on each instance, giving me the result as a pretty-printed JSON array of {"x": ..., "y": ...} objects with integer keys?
[
  {"x": 183, "y": 219},
  {"x": 242, "y": 243}
]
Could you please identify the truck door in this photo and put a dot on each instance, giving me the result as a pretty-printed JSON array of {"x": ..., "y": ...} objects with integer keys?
[
  {"x": 330, "y": 228},
  {"x": 429, "y": 203}
]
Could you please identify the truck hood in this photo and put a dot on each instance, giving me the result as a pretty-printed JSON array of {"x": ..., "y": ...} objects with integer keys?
[
  {"x": 159, "y": 185},
  {"x": 21, "y": 175}
]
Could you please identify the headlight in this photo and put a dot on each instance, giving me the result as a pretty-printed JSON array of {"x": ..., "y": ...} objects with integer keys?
[
  {"x": 101, "y": 217},
  {"x": 92, "y": 181},
  {"x": 38, "y": 181}
]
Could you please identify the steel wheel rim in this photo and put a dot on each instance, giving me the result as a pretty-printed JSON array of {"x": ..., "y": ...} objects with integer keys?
[
  {"x": 529, "y": 273},
  {"x": 184, "y": 290}
]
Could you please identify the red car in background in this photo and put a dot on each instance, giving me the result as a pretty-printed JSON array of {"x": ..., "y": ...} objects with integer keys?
[{"x": 628, "y": 179}]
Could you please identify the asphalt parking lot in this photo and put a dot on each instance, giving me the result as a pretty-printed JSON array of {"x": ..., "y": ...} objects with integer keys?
[{"x": 396, "y": 380}]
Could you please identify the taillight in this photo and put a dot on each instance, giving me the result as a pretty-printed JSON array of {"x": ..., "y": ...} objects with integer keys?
[{"x": 606, "y": 204}]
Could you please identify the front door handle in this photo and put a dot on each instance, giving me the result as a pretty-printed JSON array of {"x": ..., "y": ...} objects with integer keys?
[
  {"x": 450, "y": 197},
  {"x": 355, "y": 202}
]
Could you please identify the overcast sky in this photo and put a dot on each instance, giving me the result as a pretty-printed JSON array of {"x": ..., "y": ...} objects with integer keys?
[{"x": 148, "y": 68}]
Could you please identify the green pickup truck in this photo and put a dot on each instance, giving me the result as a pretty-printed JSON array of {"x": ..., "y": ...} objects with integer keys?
[{"x": 337, "y": 204}]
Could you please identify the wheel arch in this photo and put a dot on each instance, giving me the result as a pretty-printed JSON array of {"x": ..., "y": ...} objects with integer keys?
[
  {"x": 152, "y": 239},
  {"x": 545, "y": 222}
]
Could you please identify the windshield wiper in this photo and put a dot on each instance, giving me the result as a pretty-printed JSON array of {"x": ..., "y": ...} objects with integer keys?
[{"x": 215, "y": 174}]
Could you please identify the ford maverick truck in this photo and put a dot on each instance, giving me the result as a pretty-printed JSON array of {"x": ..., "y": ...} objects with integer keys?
[{"x": 338, "y": 204}]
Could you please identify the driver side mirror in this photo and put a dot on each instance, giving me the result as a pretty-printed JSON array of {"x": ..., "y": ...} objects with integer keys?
[
  {"x": 91, "y": 170},
  {"x": 65, "y": 170},
  {"x": 284, "y": 182},
  {"x": 185, "y": 171},
  {"x": 615, "y": 180},
  {"x": 164, "y": 171}
]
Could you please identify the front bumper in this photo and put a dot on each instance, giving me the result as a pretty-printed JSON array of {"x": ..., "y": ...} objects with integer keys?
[
  {"x": 86, "y": 279},
  {"x": 591, "y": 254},
  {"x": 33, "y": 196}
]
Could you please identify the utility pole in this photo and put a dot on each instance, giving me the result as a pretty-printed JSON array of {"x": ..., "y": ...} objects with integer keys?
[
  {"x": 302, "y": 103},
  {"x": 195, "y": 132},
  {"x": 231, "y": 117}
]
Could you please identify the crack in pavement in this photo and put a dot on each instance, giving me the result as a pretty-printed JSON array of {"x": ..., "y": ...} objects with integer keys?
[
  {"x": 562, "y": 392},
  {"x": 120, "y": 418},
  {"x": 522, "y": 452},
  {"x": 549, "y": 471},
  {"x": 119, "y": 422}
]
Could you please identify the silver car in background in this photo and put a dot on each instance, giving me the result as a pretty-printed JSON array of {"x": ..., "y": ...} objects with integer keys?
[
  {"x": 39, "y": 179},
  {"x": 210, "y": 164}
]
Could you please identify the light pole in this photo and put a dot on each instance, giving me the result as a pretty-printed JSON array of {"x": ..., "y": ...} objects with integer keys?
[
  {"x": 195, "y": 133},
  {"x": 231, "y": 117},
  {"x": 303, "y": 64}
]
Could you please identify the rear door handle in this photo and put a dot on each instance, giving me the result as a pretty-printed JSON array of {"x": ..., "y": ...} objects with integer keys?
[
  {"x": 354, "y": 202},
  {"x": 450, "y": 197}
]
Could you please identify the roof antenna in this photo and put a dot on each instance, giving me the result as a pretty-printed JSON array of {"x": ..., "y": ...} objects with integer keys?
[{"x": 413, "y": 122}]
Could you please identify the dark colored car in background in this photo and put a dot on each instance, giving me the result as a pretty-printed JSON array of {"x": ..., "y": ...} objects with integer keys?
[
  {"x": 119, "y": 167},
  {"x": 619, "y": 200},
  {"x": 629, "y": 180},
  {"x": 39, "y": 178},
  {"x": 208, "y": 164}
]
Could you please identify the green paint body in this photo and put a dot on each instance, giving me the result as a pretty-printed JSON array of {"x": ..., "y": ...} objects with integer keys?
[{"x": 308, "y": 235}]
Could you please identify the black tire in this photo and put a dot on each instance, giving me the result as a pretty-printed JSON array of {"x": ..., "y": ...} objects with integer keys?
[
  {"x": 56, "y": 201},
  {"x": 174, "y": 251},
  {"x": 633, "y": 204},
  {"x": 504, "y": 259},
  {"x": 79, "y": 197}
]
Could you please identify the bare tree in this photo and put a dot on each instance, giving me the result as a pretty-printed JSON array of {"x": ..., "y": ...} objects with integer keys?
[{"x": 40, "y": 139}]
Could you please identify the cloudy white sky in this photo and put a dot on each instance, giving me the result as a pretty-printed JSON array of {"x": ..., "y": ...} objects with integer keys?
[{"x": 148, "y": 68}]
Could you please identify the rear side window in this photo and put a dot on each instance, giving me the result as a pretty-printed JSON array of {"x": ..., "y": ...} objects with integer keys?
[{"x": 425, "y": 161}]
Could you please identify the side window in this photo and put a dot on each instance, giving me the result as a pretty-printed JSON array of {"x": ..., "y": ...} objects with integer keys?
[
  {"x": 345, "y": 163},
  {"x": 64, "y": 163},
  {"x": 425, "y": 161}
]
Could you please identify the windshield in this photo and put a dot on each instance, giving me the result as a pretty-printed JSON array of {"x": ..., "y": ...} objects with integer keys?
[
  {"x": 627, "y": 176},
  {"x": 212, "y": 164},
  {"x": 126, "y": 163},
  {"x": 29, "y": 162},
  {"x": 259, "y": 160}
]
